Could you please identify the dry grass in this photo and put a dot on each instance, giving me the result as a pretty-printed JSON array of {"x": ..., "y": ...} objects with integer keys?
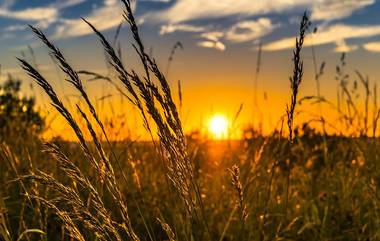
[{"x": 305, "y": 187}]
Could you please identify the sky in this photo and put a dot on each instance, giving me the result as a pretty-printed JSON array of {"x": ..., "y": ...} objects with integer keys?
[{"x": 221, "y": 39}]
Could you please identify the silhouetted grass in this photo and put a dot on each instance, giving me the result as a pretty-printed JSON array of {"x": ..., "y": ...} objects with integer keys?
[{"x": 308, "y": 186}]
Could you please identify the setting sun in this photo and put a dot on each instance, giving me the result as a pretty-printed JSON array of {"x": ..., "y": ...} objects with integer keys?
[
  {"x": 218, "y": 126},
  {"x": 189, "y": 120}
]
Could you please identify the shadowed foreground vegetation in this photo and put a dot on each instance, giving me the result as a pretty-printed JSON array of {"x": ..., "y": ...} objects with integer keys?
[{"x": 304, "y": 185}]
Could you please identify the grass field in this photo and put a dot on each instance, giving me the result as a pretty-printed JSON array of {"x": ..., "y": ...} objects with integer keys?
[{"x": 297, "y": 183}]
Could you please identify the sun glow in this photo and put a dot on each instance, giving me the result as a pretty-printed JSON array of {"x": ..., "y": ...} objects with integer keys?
[{"x": 218, "y": 126}]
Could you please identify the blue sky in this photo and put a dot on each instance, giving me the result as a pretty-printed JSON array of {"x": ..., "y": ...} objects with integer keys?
[
  {"x": 347, "y": 25},
  {"x": 220, "y": 39}
]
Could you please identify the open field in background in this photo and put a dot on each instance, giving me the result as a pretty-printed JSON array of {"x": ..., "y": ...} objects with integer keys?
[{"x": 307, "y": 179}]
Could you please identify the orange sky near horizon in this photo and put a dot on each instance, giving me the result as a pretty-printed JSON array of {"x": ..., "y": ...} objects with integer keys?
[
  {"x": 200, "y": 104},
  {"x": 214, "y": 81},
  {"x": 218, "y": 88}
]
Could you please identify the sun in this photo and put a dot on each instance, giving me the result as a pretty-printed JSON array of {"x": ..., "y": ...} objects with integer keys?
[{"x": 218, "y": 126}]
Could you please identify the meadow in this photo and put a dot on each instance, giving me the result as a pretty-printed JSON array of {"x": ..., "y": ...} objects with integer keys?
[{"x": 297, "y": 183}]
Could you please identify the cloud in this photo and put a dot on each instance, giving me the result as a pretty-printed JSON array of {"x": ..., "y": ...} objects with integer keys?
[
  {"x": 187, "y": 10},
  {"x": 44, "y": 16},
  {"x": 67, "y": 3},
  {"x": 106, "y": 17},
  {"x": 372, "y": 46},
  {"x": 17, "y": 27},
  {"x": 212, "y": 44},
  {"x": 241, "y": 32},
  {"x": 213, "y": 36},
  {"x": 31, "y": 14},
  {"x": 159, "y": 1},
  {"x": 178, "y": 17},
  {"x": 250, "y": 30},
  {"x": 109, "y": 15},
  {"x": 327, "y": 35},
  {"x": 343, "y": 47},
  {"x": 212, "y": 40},
  {"x": 337, "y": 9},
  {"x": 171, "y": 28}
]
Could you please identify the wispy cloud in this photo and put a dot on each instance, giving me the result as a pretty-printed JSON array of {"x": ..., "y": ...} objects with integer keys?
[
  {"x": 17, "y": 27},
  {"x": 111, "y": 10},
  {"x": 67, "y": 3},
  {"x": 212, "y": 44},
  {"x": 337, "y": 9},
  {"x": 213, "y": 36},
  {"x": 43, "y": 16},
  {"x": 179, "y": 16},
  {"x": 343, "y": 47},
  {"x": 332, "y": 34},
  {"x": 250, "y": 30},
  {"x": 245, "y": 23},
  {"x": 244, "y": 31},
  {"x": 187, "y": 10},
  {"x": 159, "y": 1},
  {"x": 32, "y": 14},
  {"x": 372, "y": 46},
  {"x": 171, "y": 28},
  {"x": 212, "y": 40}
]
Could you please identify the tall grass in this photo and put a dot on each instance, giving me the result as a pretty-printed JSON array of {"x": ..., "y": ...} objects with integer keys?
[{"x": 303, "y": 187}]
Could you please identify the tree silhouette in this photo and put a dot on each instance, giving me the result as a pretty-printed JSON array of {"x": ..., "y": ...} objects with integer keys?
[{"x": 18, "y": 115}]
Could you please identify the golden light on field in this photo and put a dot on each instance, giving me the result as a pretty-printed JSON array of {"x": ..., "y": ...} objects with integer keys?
[{"x": 218, "y": 126}]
